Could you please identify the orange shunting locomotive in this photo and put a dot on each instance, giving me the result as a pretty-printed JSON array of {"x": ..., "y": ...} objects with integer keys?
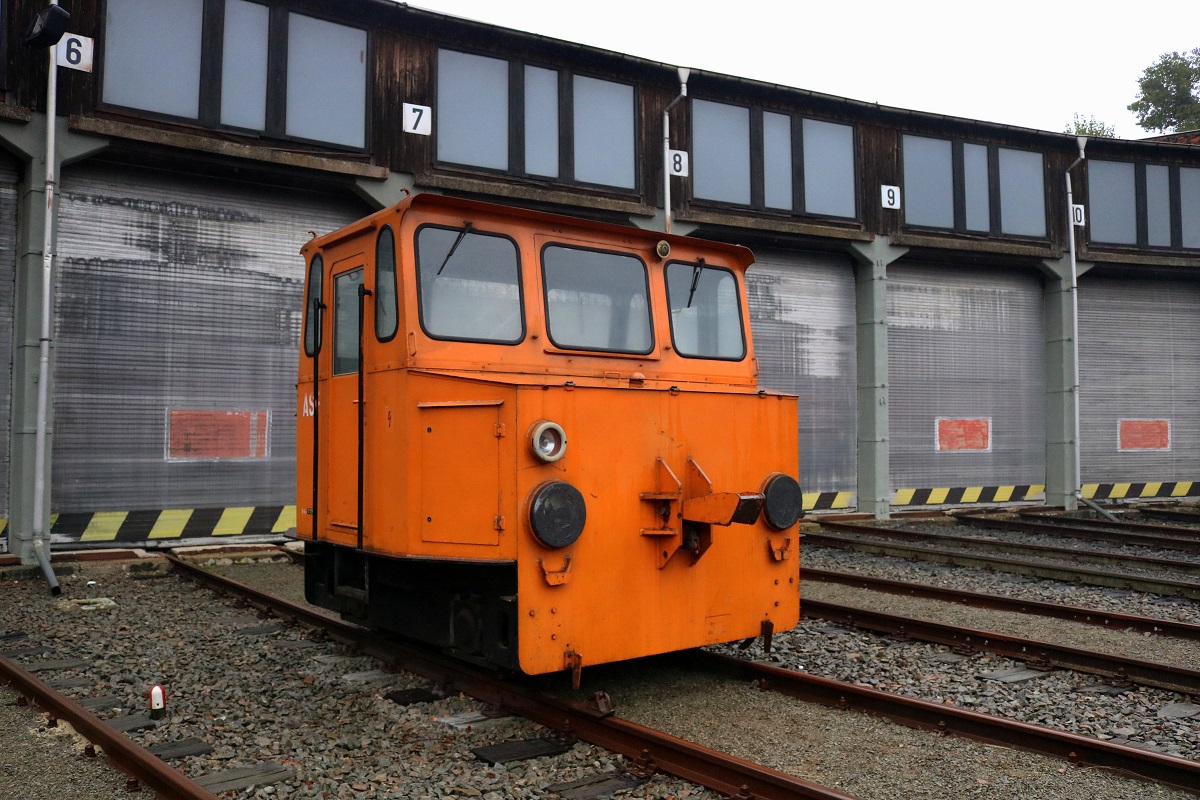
[{"x": 538, "y": 441}]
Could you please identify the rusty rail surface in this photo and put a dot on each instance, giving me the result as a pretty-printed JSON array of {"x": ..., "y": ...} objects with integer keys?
[
  {"x": 1151, "y": 528},
  {"x": 930, "y": 716},
  {"x": 1183, "y": 540},
  {"x": 1087, "y": 616},
  {"x": 1035, "y": 568},
  {"x": 123, "y": 752},
  {"x": 1038, "y": 654},
  {"x": 649, "y": 750},
  {"x": 1019, "y": 548}
]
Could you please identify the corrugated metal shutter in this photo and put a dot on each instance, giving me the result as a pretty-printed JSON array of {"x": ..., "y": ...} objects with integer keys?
[
  {"x": 10, "y": 174},
  {"x": 1139, "y": 365},
  {"x": 802, "y": 313},
  {"x": 965, "y": 346},
  {"x": 178, "y": 319}
]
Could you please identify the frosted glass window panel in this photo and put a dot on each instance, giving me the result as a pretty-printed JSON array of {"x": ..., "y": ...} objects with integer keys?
[
  {"x": 777, "y": 160},
  {"x": 470, "y": 285},
  {"x": 976, "y": 184},
  {"x": 345, "y": 321},
  {"x": 706, "y": 316},
  {"x": 541, "y": 122},
  {"x": 928, "y": 182},
  {"x": 244, "y": 65},
  {"x": 1189, "y": 205},
  {"x": 596, "y": 300},
  {"x": 829, "y": 169},
  {"x": 604, "y": 132},
  {"x": 326, "y": 81},
  {"x": 1112, "y": 205},
  {"x": 387, "y": 311},
  {"x": 1158, "y": 206},
  {"x": 472, "y": 110},
  {"x": 1022, "y": 193},
  {"x": 721, "y": 152},
  {"x": 152, "y": 55}
]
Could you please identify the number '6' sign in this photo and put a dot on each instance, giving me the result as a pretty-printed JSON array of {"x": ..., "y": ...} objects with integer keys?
[{"x": 74, "y": 52}]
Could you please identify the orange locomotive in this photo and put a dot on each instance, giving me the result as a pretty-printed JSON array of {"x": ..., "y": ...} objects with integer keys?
[{"x": 539, "y": 441}]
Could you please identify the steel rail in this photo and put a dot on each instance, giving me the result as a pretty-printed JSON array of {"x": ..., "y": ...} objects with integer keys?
[
  {"x": 1176, "y": 513},
  {"x": 1047, "y": 525},
  {"x": 1018, "y": 548},
  {"x": 1038, "y": 653},
  {"x": 127, "y": 755},
  {"x": 1153, "y": 528},
  {"x": 650, "y": 750},
  {"x": 930, "y": 716},
  {"x": 963, "y": 558},
  {"x": 1087, "y": 616}
]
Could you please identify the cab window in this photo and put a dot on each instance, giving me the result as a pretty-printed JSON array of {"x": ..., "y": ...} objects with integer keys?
[
  {"x": 706, "y": 312},
  {"x": 596, "y": 300},
  {"x": 470, "y": 285}
]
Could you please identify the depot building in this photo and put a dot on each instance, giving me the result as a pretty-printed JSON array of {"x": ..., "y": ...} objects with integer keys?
[{"x": 914, "y": 279}]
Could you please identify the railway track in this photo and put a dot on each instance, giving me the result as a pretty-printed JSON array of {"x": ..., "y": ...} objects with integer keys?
[
  {"x": 919, "y": 714},
  {"x": 735, "y": 777},
  {"x": 1132, "y": 534},
  {"x": 1088, "y": 616},
  {"x": 1038, "y": 654},
  {"x": 980, "y": 553}
]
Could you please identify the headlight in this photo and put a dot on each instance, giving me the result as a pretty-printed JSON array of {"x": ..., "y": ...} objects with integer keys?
[
  {"x": 557, "y": 513},
  {"x": 783, "y": 503},
  {"x": 548, "y": 440}
]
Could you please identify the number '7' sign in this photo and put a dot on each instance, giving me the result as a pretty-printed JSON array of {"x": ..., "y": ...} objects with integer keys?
[{"x": 417, "y": 119}]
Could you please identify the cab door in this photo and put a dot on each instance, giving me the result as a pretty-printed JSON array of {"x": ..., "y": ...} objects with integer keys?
[{"x": 341, "y": 423}]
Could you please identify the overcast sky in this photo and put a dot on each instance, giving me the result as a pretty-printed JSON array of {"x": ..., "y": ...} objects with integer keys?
[{"x": 1032, "y": 64}]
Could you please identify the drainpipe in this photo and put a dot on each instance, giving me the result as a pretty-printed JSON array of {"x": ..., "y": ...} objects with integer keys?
[
  {"x": 683, "y": 73},
  {"x": 40, "y": 548},
  {"x": 1082, "y": 141}
]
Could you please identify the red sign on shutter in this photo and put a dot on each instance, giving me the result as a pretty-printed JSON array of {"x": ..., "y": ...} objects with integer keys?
[
  {"x": 217, "y": 434},
  {"x": 964, "y": 434},
  {"x": 1144, "y": 434}
]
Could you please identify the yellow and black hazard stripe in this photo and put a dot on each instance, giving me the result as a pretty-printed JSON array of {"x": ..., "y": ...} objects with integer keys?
[
  {"x": 176, "y": 523},
  {"x": 1141, "y": 491},
  {"x": 968, "y": 494},
  {"x": 824, "y": 501}
]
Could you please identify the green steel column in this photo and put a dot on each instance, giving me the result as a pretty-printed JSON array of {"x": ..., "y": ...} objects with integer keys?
[
  {"x": 27, "y": 142},
  {"x": 1061, "y": 480},
  {"x": 870, "y": 278}
]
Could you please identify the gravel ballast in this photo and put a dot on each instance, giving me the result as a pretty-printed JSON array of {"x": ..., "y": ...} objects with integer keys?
[{"x": 282, "y": 696}]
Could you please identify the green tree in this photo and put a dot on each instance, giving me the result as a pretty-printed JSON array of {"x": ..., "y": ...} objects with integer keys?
[
  {"x": 1090, "y": 126},
  {"x": 1169, "y": 93}
]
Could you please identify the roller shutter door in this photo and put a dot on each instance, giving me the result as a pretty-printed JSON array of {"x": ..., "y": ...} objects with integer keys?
[
  {"x": 178, "y": 319},
  {"x": 1139, "y": 356},
  {"x": 10, "y": 172},
  {"x": 966, "y": 357},
  {"x": 803, "y": 317}
]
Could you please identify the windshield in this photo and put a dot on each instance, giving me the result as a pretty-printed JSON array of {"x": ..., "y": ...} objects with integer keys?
[
  {"x": 706, "y": 313},
  {"x": 470, "y": 285},
  {"x": 596, "y": 300}
]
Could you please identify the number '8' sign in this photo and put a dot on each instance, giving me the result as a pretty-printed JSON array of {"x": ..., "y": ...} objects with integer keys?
[{"x": 677, "y": 163}]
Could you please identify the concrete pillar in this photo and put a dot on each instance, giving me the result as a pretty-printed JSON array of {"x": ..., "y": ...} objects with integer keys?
[
  {"x": 27, "y": 141},
  {"x": 387, "y": 192},
  {"x": 1061, "y": 444},
  {"x": 874, "y": 466}
]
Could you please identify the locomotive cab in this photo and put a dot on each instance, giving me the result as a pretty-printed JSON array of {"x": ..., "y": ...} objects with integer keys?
[{"x": 539, "y": 441}]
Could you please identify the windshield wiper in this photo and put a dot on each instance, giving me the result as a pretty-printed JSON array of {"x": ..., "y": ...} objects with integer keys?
[
  {"x": 695, "y": 279},
  {"x": 461, "y": 235}
]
